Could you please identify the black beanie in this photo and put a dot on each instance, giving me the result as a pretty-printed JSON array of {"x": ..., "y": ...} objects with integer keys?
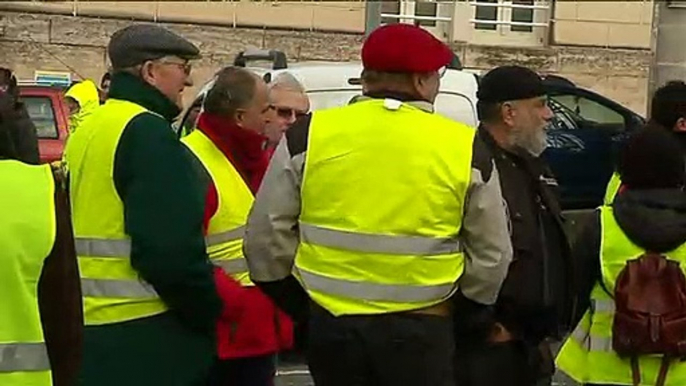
[
  {"x": 652, "y": 159},
  {"x": 509, "y": 83}
]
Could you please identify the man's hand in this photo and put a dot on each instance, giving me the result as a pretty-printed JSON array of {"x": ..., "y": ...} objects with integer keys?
[{"x": 500, "y": 334}]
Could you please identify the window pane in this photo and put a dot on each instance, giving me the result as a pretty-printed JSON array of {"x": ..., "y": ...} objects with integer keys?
[
  {"x": 42, "y": 115},
  {"x": 486, "y": 13},
  {"x": 424, "y": 8},
  {"x": 390, "y": 7},
  {"x": 523, "y": 16},
  {"x": 589, "y": 110}
]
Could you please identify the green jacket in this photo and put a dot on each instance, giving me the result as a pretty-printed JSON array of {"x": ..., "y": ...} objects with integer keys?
[{"x": 164, "y": 208}]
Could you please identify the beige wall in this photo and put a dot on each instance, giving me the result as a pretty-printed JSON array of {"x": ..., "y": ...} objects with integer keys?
[
  {"x": 582, "y": 22},
  {"x": 604, "y": 23},
  {"x": 33, "y": 42},
  {"x": 328, "y": 15}
]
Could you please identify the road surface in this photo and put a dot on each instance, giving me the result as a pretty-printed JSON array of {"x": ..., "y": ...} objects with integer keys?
[{"x": 297, "y": 375}]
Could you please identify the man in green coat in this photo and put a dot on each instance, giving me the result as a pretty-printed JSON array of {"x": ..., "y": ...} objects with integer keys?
[{"x": 150, "y": 301}]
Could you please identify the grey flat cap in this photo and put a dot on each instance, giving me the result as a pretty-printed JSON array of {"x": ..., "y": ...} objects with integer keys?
[{"x": 137, "y": 43}]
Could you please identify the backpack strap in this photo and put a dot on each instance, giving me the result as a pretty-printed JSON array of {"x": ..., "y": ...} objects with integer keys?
[
  {"x": 635, "y": 371},
  {"x": 664, "y": 368}
]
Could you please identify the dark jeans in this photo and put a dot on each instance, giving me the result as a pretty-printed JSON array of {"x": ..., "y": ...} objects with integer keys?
[
  {"x": 255, "y": 371},
  {"x": 380, "y": 350},
  {"x": 503, "y": 364}
]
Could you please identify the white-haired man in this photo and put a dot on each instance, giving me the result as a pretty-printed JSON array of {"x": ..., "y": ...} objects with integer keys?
[{"x": 289, "y": 100}]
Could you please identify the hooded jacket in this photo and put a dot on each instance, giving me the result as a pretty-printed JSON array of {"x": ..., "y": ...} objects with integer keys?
[
  {"x": 86, "y": 95},
  {"x": 654, "y": 220}
]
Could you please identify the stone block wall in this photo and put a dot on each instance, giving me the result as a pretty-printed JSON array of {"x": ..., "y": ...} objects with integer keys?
[{"x": 50, "y": 42}]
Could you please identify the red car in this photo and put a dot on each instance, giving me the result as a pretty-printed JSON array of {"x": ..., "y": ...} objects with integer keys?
[{"x": 49, "y": 113}]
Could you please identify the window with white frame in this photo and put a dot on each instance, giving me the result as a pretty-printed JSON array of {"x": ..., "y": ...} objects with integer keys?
[
  {"x": 511, "y": 15},
  {"x": 486, "y": 13}
]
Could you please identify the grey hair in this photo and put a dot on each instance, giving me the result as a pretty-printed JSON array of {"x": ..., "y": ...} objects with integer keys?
[{"x": 286, "y": 81}]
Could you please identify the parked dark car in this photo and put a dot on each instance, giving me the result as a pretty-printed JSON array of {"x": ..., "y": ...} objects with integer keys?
[{"x": 584, "y": 139}]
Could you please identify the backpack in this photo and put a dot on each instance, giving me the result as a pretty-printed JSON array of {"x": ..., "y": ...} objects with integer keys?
[{"x": 650, "y": 316}]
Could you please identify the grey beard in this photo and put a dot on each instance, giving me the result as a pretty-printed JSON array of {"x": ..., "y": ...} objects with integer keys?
[{"x": 534, "y": 143}]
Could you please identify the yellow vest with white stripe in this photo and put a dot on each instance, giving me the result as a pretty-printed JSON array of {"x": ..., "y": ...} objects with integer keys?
[
  {"x": 587, "y": 355},
  {"x": 612, "y": 189},
  {"x": 112, "y": 290},
  {"x": 383, "y": 195},
  {"x": 226, "y": 227},
  {"x": 27, "y": 235}
]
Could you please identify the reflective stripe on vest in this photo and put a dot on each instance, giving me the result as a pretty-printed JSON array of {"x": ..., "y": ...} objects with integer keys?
[
  {"x": 375, "y": 292},
  {"x": 224, "y": 237},
  {"x": 112, "y": 290},
  {"x": 587, "y": 355},
  {"x": 15, "y": 357},
  {"x": 28, "y": 230},
  {"x": 227, "y": 226},
  {"x": 102, "y": 247},
  {"x": 370, "y": 241}
]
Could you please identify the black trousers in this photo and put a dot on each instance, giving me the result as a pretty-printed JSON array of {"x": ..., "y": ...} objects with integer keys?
[
  {"x": 513, "y": 363},
  {"x": 381, "y": 350},
  {"x": 255, "y": 371}
]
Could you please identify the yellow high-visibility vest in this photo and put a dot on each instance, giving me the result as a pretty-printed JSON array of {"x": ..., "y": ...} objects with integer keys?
[
  {"x": 587, "y": 355},
  {"x": 112, "y": 290},
  {"x": 383, "y": 195},
  {"x": 27, "y": 235},
  {"x": 226, "y": 227},
  {"x": 612, "y": 189}
]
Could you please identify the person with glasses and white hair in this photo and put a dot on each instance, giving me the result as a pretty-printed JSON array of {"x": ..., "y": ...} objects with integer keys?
[
  {"x": 289, "y": 102},
  {"x": 149, "y": 293}
]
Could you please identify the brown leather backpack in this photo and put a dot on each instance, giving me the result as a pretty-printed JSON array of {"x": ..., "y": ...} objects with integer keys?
[{"x": 650, "y": 317}]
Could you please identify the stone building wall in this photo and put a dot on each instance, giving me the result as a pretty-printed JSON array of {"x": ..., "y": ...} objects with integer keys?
[{"x": 49, "y": 42}]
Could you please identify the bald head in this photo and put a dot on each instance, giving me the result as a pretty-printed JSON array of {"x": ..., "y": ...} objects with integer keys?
[{"x": 241, "y": 97}]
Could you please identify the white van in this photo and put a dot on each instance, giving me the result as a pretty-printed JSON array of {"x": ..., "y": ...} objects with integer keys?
[{"x": 333, "y": 84}]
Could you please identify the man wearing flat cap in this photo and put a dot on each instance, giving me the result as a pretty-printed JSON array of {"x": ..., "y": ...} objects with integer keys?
[
  {"x": 382, "y": 211},
  {"x": 535, "y": 303},
  {"x": 150, "y": 301}
]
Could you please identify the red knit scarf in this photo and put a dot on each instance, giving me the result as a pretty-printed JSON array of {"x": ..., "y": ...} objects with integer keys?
[{"x": 244, "y": 148}]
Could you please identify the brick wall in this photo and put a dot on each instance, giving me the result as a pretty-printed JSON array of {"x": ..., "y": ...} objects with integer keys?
[{"x": 30, "y": 42}]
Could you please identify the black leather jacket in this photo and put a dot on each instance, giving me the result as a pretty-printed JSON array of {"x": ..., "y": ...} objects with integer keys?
[{"x": 536, "y": 300}]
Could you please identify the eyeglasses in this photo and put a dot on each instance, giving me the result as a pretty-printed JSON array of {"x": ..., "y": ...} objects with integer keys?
[
  {"x": 185, "y": 66},
  {"x": 288, "y": 113}
]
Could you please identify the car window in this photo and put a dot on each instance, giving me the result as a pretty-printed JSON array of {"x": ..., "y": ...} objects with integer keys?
[
  {"x": 589, "y": 110},
  {"x": 451, "y": 105},
  {"x": 42, "y": 114},
  {"x": 562, "y": 118}
]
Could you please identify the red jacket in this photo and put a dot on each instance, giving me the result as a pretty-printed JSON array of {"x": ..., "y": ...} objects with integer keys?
[{"x": 262, "y": 328}]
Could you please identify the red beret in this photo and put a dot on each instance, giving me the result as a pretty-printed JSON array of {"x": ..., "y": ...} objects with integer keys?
[{"x": 404, "y": 48}]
